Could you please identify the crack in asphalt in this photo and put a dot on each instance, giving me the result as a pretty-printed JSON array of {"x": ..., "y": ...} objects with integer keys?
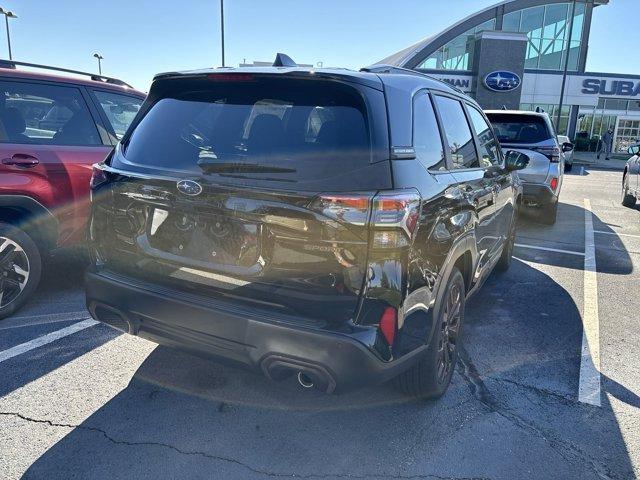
[
  {"x": 571, "y": 452},
  {"x": 542, "y": 392},
  {"x": 232, "y": 460}
]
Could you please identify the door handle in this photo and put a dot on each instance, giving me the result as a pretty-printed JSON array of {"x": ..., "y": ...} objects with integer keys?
[{"x": 21, "y": 160}]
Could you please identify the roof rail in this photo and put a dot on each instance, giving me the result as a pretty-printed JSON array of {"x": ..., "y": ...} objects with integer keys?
[
  {"x": 98, "y": 78},
  {"x": 382, "y": 68}
]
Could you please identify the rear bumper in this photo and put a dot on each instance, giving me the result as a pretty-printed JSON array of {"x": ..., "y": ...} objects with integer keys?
[
  {"x": 336, "y": 362},
  {"x": 538, "y": 194}
]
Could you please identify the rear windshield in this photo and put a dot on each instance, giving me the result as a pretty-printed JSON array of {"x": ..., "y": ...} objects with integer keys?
[
  {"x": 269, "y": 129},
  {"x": 520, "y": 128}
]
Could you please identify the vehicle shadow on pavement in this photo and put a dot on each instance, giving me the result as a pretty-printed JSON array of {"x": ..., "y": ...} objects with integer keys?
[
  {"x": 512, "y": 406},
  {"x": 569, "y": 234},
  {"x": 61, "y": 286},
  {"x": 58, "y": 303},
  {"x": 523, "y": 348}
]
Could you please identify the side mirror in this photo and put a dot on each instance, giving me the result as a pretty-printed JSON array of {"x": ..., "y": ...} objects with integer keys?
[
  {"x": 515, "y": 161},
  {"x": 567, "y": 147},
  {"x": 634, "y": 150}
]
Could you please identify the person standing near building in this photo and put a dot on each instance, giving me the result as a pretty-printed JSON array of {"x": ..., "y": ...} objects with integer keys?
[{"x": 606, "y": 146}]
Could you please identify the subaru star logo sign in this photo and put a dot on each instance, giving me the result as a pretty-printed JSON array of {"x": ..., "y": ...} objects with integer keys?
[
  {"x": 189, "y": 187},
  {"x": 502, "y": 81}
]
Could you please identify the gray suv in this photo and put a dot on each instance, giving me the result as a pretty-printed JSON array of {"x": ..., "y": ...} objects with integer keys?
[{"x": 533, "y": 134}]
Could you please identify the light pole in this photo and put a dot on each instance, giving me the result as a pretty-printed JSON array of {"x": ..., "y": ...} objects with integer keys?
[
  {"x": 7, "y": 16},
  {"x": 222, "y": 28},
  {"x": 99, "y": 57},
  {"x": 565, "y": 69}
]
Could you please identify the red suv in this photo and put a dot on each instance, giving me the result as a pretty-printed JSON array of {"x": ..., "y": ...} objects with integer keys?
[{"x": 52, "y": 129}]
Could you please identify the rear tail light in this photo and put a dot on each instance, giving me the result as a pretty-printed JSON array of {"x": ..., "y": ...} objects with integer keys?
[
  {"x": 394, "y": 218},
  {"x": 554, "y": 183},
  {"x": 393, "y": 215},
  {"x": 388, "y": 324},
  {"x": 552, "y": 153},
  {"x": 352, "y": 209}
]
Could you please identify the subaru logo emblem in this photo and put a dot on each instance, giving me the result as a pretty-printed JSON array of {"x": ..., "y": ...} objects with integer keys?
[
  {"x": 189, "y": 187},
  {"x": 502, "y": 81}
]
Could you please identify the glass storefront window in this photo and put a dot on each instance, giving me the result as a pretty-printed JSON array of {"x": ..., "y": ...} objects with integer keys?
[
  {"x": 634, "y": 105},
  {"x": 615, "y": 104},
  {"x": 585, "y": 121},
  {"x": 458, "y": 53},
  {"x": 547, "y": 28},
  {"x": 628, "y": 134},
  {"x": 511, "y": 21}
]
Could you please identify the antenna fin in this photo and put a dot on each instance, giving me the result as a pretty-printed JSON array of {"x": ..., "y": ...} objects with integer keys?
[{"x": 284, "y": 60}]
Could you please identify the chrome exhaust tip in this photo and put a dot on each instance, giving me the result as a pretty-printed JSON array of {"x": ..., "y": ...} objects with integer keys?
[{"x": 304, "y": 380}]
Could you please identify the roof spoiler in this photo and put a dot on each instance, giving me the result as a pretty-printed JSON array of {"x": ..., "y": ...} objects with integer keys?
[
  {"x": 284, "y": 60},
  {"x": 12, "y": 64},
  {"x": 383, "y": 68}
]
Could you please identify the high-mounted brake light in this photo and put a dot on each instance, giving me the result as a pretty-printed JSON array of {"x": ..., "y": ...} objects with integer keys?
[
  {"x": 231, "y": 77},
  {"x": 388, "y": 324}
]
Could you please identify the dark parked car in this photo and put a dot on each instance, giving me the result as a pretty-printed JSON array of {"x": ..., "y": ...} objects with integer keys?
[
  {"x": 323, "y": 223},
  {"x": 52, "y": 130},
  {"x": 630, "y": 187}
]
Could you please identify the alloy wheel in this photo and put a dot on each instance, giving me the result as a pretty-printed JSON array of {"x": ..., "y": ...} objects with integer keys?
[
  {"x": 449, "y": 330},
  {"x": 14, "y": 271}
]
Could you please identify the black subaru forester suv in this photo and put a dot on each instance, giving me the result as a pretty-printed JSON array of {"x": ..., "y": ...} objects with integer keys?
[{"x": 322, "y": 223}]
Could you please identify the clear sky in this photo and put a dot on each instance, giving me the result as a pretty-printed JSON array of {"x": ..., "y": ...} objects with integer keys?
[{"x": 139, "y": 38}]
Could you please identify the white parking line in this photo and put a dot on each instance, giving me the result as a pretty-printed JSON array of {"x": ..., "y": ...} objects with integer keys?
[
  {"x": 43, "y": 319},
  {"x": 589, "y": 386},
  {"x": 548, "y": 249},
  {"x": 48, "y": 338},
  {"x": 616, "y": 233}
]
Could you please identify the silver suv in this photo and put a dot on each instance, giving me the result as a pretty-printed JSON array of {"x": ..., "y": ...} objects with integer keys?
[{"x": 533, "y": 134}]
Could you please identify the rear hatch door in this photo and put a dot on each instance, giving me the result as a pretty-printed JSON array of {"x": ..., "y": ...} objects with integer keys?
[
  {"x": 531, "y": 134},
  {"x": 235, "y": 190}
]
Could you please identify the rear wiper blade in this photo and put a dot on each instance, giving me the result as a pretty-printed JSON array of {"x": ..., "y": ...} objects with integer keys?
[{"x": 217, "y": 167}]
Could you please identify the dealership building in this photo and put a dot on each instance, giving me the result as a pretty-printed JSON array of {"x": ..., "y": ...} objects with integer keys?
[{"x": 515, "y": 54}]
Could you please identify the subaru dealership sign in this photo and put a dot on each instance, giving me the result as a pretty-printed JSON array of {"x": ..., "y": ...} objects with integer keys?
[
  {"x": 502, "y": 81},
  {"x": 601, "y": 86}
]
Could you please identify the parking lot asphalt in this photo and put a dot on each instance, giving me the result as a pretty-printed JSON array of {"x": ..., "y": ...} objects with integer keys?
[{"x": 547, "y": 386}]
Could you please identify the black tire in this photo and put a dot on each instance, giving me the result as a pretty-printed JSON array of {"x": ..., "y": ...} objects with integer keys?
[
  {"x": 627, "y": 199},
  {"x": 431, "y": 376},
  {"x": 20, "y": 268},
  {"x": 507, "y": 252},
  {"x": 568, "y": 167},
  {"x": 549, "y": 214}
]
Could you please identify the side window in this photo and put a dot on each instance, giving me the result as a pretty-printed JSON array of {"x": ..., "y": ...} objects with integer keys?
[
  {"x": 426, "y": 134},
  {"x": 119, "y": 109},
  {"x": 459, "y": 137},
  {"x": 33, "y": 113},
  {"x": 489, "y": 146}
]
